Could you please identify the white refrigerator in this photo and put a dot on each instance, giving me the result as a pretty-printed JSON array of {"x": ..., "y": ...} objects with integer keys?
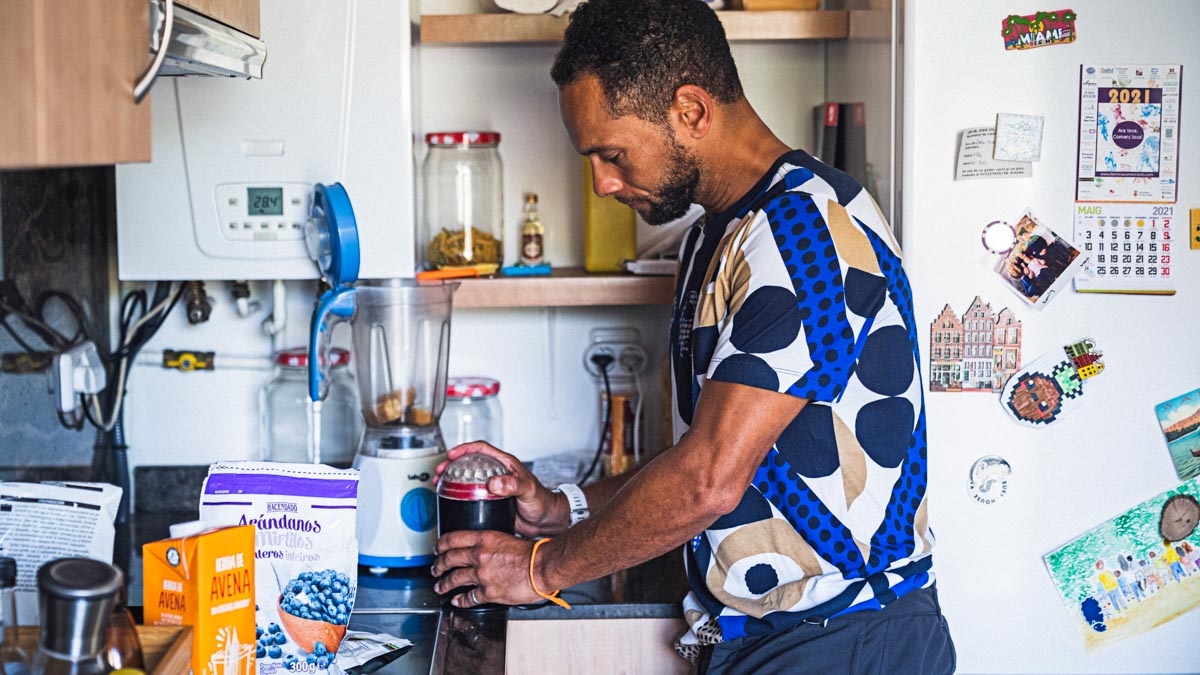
[{"x": 1109, "y": 453}]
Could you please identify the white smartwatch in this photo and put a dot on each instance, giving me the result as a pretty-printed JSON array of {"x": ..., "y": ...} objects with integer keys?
[{"x": 576, "y": 500}]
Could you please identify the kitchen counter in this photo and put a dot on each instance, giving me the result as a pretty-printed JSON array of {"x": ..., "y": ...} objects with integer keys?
[{"x": 446, "y": 640}]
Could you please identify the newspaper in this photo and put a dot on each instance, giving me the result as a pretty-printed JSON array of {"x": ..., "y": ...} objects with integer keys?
[{"x": 40, "y": 522}]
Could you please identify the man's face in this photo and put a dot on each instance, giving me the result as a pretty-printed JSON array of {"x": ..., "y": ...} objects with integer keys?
[{"x": 639, "y": 163}]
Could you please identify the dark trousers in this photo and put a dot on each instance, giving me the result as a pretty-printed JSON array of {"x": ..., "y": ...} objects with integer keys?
[{"x": 908, "y": 636}]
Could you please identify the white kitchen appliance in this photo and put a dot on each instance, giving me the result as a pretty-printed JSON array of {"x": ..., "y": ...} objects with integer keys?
[
  {"x": 235, "y": 161},
  {"x": 400, "y": 332}
]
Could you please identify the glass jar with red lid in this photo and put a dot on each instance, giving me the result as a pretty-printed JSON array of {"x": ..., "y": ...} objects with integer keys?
[
  {"x": 283, "y": 411},
  {"x": 462, "y": 212},
  {"x": 472, "y": 412}
]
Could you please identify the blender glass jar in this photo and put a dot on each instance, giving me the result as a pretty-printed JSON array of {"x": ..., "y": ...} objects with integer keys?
[
  {"x": 283, "y": 406},
  {"x": 472, "y": 412},
  {"x": 462, "y": 220}
]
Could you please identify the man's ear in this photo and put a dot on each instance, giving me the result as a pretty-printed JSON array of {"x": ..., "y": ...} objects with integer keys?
[{"x": 692, "y": 110}]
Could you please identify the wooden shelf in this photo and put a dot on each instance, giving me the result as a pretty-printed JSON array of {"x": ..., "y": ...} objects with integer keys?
[
  {"x": 533, "y": 28},
  {"x": 565, "y": 287}
]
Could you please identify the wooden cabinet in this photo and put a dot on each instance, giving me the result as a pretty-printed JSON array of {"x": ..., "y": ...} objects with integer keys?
[
  {"x": 239, "y": 14},
  {"x": 67, "y": 72}
]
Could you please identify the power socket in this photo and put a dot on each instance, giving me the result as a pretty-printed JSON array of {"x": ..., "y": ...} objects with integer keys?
[{"x": 623, "y": 344}]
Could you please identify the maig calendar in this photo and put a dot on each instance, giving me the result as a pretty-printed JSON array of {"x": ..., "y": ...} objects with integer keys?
[{"x": 1128, "y": 248}]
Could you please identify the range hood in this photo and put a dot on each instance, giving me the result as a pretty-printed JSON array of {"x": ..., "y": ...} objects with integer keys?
[{"x": 199, "y": 45}]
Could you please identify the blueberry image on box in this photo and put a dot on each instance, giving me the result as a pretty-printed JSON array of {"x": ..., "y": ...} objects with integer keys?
[{"x": 315, "y": 608}]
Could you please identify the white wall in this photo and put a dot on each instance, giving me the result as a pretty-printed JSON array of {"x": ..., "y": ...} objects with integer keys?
[{"x": 1109, "y": 455}]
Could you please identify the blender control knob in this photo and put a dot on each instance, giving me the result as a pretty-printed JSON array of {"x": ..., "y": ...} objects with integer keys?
[{"x": 418, "y": 509}]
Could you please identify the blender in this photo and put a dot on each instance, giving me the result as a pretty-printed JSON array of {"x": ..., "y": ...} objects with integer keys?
[{"x": 400, "y": 336}]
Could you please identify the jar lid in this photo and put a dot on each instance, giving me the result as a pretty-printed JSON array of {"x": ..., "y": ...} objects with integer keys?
[
  {"x": 297, "y": 357},
  {"x": 466, "y": 478},
  {"x": 79, "y": 579},
  {"x": 472, "y": 387},
  {"x": 463, "y": 138}
]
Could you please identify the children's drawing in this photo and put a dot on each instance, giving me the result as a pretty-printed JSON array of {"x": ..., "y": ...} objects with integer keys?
[
  {"x": 1180, "y": 422},
  {"x": 977, "y": 351},
  {"x": 1134, "y": 572},
  {"x": 1038, "y": 394}
]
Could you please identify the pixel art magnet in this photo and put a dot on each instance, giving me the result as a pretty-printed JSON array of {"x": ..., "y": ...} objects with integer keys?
[{"x": 1039, "y": 393}]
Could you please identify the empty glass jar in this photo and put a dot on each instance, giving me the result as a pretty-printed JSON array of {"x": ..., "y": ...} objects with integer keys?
[
  {"x": 472, "y": 412},
  {"x": 283, "y": 411},
  {"x": 462, "y": 219}
]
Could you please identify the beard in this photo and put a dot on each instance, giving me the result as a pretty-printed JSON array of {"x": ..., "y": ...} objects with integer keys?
[{"x": 674, "y": 197}]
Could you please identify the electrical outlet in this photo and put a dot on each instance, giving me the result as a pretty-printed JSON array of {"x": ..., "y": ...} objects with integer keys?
[{"x": 623, "y": 344}]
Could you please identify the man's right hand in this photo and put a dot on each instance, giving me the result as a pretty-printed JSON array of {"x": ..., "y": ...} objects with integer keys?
[{"x": 539, "y": 511}]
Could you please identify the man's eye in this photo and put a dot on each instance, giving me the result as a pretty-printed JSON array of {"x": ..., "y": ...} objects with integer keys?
[{"x": 611, "y": 159}]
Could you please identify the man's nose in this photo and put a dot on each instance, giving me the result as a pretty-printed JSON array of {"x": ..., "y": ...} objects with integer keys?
[{"x": 604, "y": 179}]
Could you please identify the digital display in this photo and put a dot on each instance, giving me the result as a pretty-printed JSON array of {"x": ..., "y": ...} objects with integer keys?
[{"x": 265, "y": 201}]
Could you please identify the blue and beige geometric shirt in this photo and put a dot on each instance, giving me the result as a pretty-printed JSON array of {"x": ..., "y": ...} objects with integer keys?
[{"x": 798, "y": 289}]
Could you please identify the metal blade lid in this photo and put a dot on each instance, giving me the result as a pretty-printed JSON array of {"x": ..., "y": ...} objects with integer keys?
[
  {"x": 466, "y": 478},
  {"x": 331, "y": 235}
]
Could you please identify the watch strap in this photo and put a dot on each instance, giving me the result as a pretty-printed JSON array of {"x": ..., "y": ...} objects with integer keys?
[{"x": 577, "y": 501}]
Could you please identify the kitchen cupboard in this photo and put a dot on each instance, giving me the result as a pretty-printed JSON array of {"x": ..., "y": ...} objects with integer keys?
[{"x": 67, "y": 70}]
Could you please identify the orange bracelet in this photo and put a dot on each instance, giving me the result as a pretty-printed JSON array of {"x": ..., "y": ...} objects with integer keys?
[{"x": 553, "y": 597}]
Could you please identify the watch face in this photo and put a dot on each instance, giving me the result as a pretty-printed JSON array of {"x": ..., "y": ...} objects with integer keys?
[{"x": 1180, "y": 515}]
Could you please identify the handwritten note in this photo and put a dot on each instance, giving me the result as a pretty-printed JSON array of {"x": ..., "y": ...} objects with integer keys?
[{"x": 975, "y": 158}]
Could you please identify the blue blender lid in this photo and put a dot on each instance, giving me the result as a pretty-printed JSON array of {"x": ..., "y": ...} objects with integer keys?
[{"x": 331, "y": 235}]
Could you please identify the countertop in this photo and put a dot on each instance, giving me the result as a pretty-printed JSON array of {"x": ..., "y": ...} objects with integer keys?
[{"x": 447, "y": 640}]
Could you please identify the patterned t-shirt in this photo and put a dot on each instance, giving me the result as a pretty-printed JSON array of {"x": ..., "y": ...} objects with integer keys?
[{"x": 798, "y": 288}]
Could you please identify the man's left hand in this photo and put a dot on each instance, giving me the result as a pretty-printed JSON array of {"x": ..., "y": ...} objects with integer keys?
[{"x": 496, "y": 564}]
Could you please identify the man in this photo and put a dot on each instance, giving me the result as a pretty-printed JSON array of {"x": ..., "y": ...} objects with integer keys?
[{"x": 797, "y": 484}]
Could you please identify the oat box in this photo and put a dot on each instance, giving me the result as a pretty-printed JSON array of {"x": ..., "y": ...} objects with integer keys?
[{"x": 205, "y": 581}]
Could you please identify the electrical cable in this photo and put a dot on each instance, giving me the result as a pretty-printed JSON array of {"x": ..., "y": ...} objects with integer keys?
[
  {"x": 608, "y": 411},
  {"x": 42, "y": 329},
  {"x": 17, "y": 338},
  {"x": 73, "y": 308},
  {"x": 637, "y": 420},
  {"x": 133, "y": 336}
]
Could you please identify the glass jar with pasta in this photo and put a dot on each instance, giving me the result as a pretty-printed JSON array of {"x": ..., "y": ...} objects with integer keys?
[{"x": 462, "y": 219}]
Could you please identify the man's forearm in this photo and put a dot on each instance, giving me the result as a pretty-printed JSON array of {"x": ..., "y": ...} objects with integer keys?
[
  {"x": 601, "y": 492},
  {"x": 642, "y": 517}
]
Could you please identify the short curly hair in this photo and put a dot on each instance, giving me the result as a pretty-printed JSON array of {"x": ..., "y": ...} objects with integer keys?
[{"x": 642, "y": 51}]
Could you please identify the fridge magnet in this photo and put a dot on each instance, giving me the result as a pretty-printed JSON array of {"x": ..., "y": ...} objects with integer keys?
[
  {"x": 975, "y": 159},
  {"x": 1180, "y": 422},
  {"x": 1036, "y": 263},
  {"x": 1134, "y": 572},
  {"x": 975, "y": 351},
  {"x": 1127, "y": 248},
  {"x": 1128, "y": 133},
  {"x": 1038, "y": 30},
  {"x": 1018, "y": 137},
  {"x": 989, "y": 479},
  {"x": 1040, "y": 393}
]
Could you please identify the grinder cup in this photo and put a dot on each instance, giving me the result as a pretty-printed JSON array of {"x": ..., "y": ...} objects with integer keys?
[{"x": 464, "y": 502}]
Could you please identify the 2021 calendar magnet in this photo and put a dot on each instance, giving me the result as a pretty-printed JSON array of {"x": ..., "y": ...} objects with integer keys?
[{"x": 1128, "y": 248}]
